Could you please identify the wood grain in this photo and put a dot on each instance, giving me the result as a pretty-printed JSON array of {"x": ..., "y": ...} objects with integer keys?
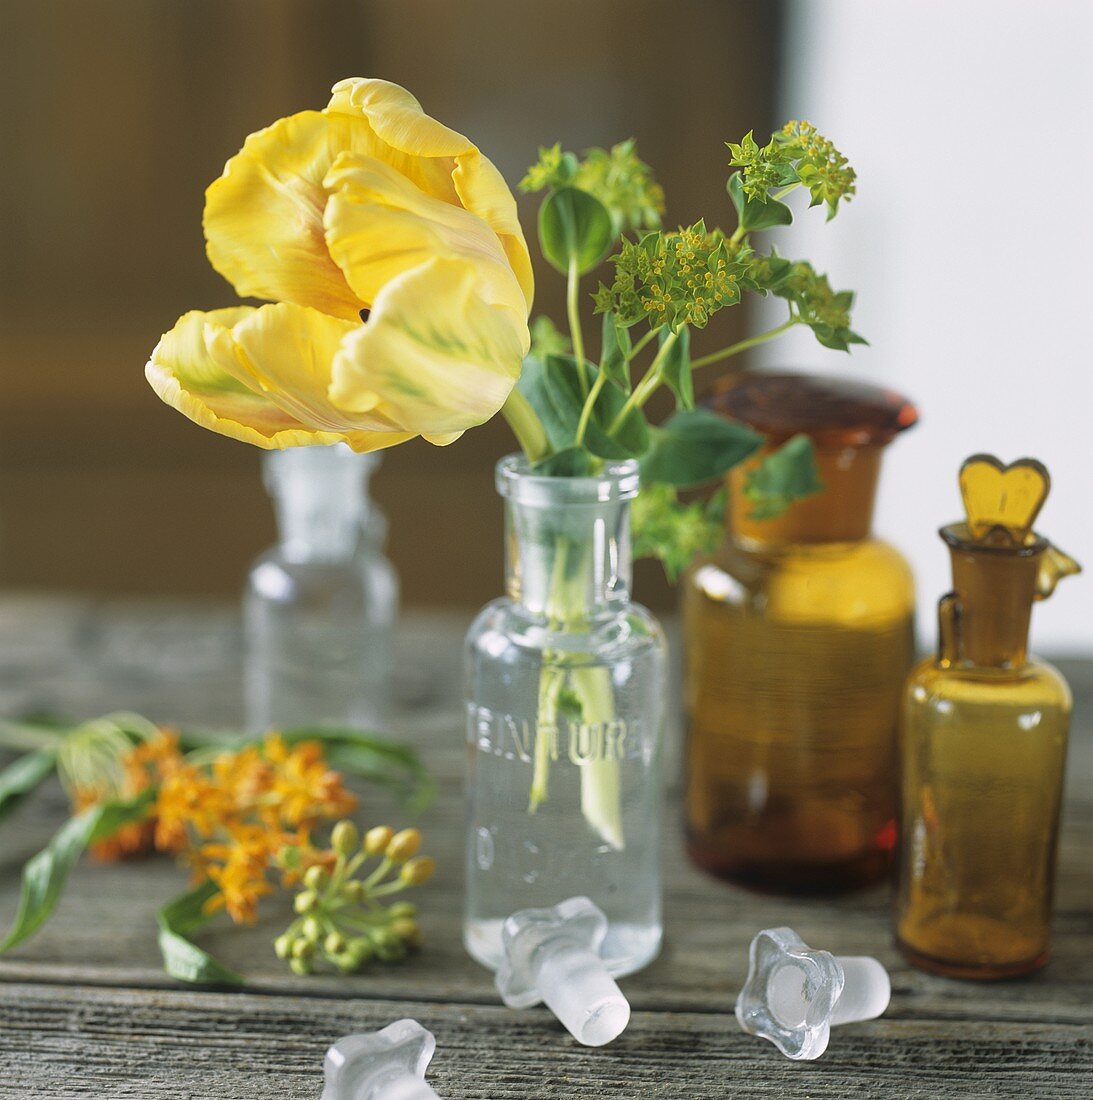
[{"x": 84, "y": 1005}]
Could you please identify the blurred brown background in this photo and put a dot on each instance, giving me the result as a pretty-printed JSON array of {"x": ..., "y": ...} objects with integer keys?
[{"x": 117, "y": 114}]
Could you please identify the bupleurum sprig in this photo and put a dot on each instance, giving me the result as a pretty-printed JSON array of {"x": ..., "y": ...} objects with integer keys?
[
  {"x": 675, "y": 279},
  {"x": 341, "y": 917},
  {"x": 798, "y": 154}
]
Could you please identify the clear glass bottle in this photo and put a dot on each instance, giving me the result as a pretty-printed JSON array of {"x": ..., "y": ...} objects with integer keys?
[
  {"x": 983, "y": 747},
  {"x": 566, "y": 685},
  {"x": 799, "y": 633},
  {"x": 320, "y": 605}
]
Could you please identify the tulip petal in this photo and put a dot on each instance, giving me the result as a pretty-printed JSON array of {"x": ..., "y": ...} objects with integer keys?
[
  {"x": 199, "y": 369},
  {"x": 434, "y": 357},
  {"x": 379, "y": 225},
  {"x": 450, "y": 167},
  {"x": 264, "y": 216}
]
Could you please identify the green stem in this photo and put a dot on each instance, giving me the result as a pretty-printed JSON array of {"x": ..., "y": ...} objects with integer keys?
[
  {"x": 526, "y": 426},
  {"x": 742, "y": 345},
  {"x": 574, "y": 313},
  {"x": 641, "y": 343},
  {"x": 785, "y": 191},
  {"x": 644, "y": 389},
  {"x": 589, "y": 404}
]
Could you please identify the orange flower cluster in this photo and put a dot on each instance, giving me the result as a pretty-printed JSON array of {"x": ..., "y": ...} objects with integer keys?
[{"x": 232, "y": 817}]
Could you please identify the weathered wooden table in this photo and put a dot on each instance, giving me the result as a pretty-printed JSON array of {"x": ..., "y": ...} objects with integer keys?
[{"x": 85, "y": 1008}]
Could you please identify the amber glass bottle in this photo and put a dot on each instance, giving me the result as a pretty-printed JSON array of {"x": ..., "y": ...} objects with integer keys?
[
  {"x": 799, "y": 635},
  {"x": 983, "y": 745}
]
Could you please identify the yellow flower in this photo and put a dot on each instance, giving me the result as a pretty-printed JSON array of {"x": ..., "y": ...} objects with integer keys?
[{"x": 369, "y": 208}]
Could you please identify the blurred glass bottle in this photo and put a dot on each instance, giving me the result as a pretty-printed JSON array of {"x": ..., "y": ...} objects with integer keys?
[
  {"x": 320, "y": 605},
  {"x": 799, "y": 633},
  {"x": 983, "y": 745}
]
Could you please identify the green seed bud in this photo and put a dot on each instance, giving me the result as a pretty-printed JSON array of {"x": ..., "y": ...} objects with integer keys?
[
  {"x": 334, "y": 944},
  {"x": 377, "y": 839},
  {"x": 402, "y": 909},
  {"x": 403, "y": 845},
  {"x": 300, "y": 966},
  {"x": 312, "y": 929},
  {"x": 391, "y": 952},
  {"x": 382, "y": 937},
  {"x": 305, "y": 902},
  {"x": 408, "y": 931},
  {"x": 347, "y": 962},
  {"x": 303, "y": 949},
  {"x": 316, "y": 877},
  {"x": 283, "y": 945},
  {"x": 345, "y": 838},
  {"x": 360, "y": 949},
  {"x": 418, "y": 870},
  {"x": 354, "y": 891}
]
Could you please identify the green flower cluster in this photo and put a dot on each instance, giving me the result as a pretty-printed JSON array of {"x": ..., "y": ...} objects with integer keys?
[
  {"x": 796, "y": 154},
  {"x": 617, "y": 177},
  {"x": 675, "y": 279},
  {"x": 674, "y": 532},
  {"x": 340, "y": 917}
]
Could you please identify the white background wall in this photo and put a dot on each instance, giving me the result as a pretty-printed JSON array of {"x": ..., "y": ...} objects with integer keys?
[{"x": 970, "y": 243}]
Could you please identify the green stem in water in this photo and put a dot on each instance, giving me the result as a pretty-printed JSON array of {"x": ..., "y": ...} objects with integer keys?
[
  {"x": 644, "y": 389},
  {"x": 526, "y": 426},
  {"x": 742, "y": 345},
  {"x": 574, "y": 313}
]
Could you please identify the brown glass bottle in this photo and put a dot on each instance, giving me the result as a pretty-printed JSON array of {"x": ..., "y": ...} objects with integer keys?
[
  {"x": 983, "y": 747},
  {"x": 799, "y": 634}
]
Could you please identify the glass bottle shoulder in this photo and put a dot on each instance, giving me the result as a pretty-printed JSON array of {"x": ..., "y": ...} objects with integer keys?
[
  {"x": 851, "y": 584},
  {"x": 1035, "y": 684},
  {"x": 504, "y": 630},
  {"x": 363, "y": 577}
]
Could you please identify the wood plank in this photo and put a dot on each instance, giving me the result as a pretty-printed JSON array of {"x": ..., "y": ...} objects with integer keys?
[{"x": 76, "y": 1041}]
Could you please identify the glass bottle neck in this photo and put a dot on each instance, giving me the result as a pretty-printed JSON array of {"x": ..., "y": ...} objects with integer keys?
[
  {"x": 320, "y": 496},
  {"x": 984, "y": 621},
  {"x": 841, "y": 512},
  {"x": 569, "y": 562},
  {"x": 567, "y": 541}
]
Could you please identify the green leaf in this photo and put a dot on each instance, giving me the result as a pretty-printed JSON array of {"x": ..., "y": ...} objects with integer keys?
[
  {"x": 18, "y": 779},
  {"x": 615, "y": 354},
  {"x": 782, "y": 477},
  {"x": 187, "y": 962},
  {"x": 574, "y": 225},
  {"x": 755, "y": 214},
  {"x": 554, "y": 390},
  {"x": 676, "y": 368},
  {"x": 572, "y": 462},
  {"x": 697, "y": 446},
  {"x": 45, "y": 874}
]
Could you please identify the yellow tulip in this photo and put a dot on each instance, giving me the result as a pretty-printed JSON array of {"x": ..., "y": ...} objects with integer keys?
[{"x": 367, "y": 209}]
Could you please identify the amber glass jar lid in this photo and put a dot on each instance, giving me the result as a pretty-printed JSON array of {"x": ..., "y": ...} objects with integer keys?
[{"x": 834, "y": 412}]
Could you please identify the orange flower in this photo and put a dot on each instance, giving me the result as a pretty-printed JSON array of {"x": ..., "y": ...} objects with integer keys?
[
  {"x": 305, "y": 789},
  {"x": 239, "y": 870}
]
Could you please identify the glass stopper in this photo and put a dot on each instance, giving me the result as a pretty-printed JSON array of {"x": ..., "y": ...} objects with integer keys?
[
  {"x": 794, "y": 995},
  {"x": 1008, "y": 498},
  {"x": 553, "y": 956},
  {"x": 388, "y": 1064}
]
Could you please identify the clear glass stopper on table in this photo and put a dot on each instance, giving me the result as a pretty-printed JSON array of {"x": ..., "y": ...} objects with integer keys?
[
  {"x": 565, "y": 696},
  {"x": 320, "y": 605},
  {"x": 794, "y": 995},
  {"x": 388, "y": 1064},
  {"x": 553, "y": 956}
]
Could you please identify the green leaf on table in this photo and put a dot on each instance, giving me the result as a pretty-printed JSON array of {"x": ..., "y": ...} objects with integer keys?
[
  {"x": 22, "y": 776},
  {"x": 676, "y": 368},
  {"x": 697, "y": 446},
  {"x": 574, "y": 226},
  {"x": 183, "y": 959},
  {"x": 45, "y": 874},
  {"x": 615, "y": 353},
  {"x": 755, "y": 214},
  {"x": 782, "y": 477}
]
